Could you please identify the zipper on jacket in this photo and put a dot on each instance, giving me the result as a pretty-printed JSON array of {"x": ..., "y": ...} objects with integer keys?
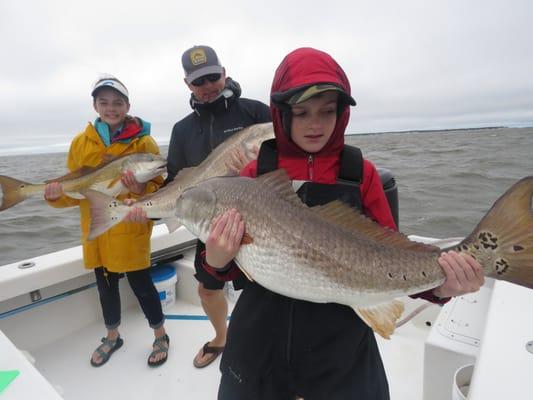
[
  {"x": 211, "y": 123},
  {"x": 310, "y": 167}
]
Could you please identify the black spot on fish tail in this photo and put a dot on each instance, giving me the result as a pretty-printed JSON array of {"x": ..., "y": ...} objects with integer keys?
[
  {"x": 501, "y": 266},
  {"x": 488, "y": 240}
]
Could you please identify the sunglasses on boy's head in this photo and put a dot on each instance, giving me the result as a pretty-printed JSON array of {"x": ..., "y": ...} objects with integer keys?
[{"x": 201, "y": 80}]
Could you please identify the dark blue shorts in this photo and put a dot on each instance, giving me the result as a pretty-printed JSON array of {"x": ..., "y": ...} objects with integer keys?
[{"x": 208, "y": 280}]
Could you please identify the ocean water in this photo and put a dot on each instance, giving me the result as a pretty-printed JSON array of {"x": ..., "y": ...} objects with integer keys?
[{"x": 447, "y": 181}]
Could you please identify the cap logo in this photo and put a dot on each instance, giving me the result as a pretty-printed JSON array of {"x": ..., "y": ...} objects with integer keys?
[
  {"x": 107, "y": 82},
  {"x": 198, "y": 57}
]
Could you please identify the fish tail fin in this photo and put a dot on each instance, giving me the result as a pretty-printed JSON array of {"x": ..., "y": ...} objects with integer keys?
[
  {"x": 106, "y": 212},
  {"x": 503, "y": 240},
  {"x": 11, "y": 193}
]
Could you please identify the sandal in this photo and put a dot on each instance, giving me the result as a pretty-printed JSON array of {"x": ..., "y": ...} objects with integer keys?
[
  {"x": 113, "y": 346},
  {"x": 213, "y": 352},
  {"x": 161, "y": 344}
]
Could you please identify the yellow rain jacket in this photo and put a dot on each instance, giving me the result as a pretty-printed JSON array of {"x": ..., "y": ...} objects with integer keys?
[{"x": 126, "y": 246}]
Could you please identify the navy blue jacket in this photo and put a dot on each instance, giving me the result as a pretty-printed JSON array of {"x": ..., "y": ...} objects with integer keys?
[{"x": 196, "y": 135}]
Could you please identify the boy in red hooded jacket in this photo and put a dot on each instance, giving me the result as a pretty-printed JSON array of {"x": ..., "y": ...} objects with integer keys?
[{"x": 283, "y": 348}]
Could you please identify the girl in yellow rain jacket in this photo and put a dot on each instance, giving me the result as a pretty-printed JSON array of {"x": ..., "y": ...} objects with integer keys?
[{"x": 126, "y": 247}]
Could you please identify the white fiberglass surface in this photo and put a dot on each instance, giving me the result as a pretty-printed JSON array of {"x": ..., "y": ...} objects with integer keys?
[{"x": 65, "y": 363}]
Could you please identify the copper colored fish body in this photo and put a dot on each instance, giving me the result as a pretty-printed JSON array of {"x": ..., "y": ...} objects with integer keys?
[
  {"x": 334, "y": 254},
  {"x": 242, "y": 145},
  {"x": 104, "y": 178}
]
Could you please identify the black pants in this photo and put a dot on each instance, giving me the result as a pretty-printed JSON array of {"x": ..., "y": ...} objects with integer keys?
[
  {"x": 144, "y": 289},
  {"x": 279, "y": 348},
  {"x": 269, "y": 389}
]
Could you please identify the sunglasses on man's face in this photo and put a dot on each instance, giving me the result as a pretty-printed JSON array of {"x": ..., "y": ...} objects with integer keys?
[{"x": 201, "y": 80}]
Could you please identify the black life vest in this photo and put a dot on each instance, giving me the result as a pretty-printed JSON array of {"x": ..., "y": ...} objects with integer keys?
[
  {"x": 277, "y": 343},
  {"x": 347, "y": 188}
]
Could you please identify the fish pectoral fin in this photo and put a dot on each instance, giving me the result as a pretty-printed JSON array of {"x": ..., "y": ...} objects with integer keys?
[
  {"x": 113, "y": 182},
  {"x": 246, "y": 239},
  {"x": 381, "y": 317},
  {"x": 172, "y": 224},
  {"x": 108, "y": 189}
]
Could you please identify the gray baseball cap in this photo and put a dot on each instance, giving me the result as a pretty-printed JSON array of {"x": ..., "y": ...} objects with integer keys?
[{"x": 199, "y": 61}]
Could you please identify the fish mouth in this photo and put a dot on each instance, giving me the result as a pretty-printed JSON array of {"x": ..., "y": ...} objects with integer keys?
[
  {"x": 161, "y": 168},
  {"x": 162, "y": 164}
]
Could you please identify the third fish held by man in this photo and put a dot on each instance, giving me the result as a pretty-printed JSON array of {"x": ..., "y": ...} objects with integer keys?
[{"x": 240, "y": 147}]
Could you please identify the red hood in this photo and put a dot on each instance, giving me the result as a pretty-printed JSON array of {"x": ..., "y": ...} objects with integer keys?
[{"x": 300, "y": 68}]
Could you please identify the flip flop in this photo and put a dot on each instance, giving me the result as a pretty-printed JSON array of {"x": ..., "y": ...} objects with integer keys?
[
  {"x": 113, "y": 345},
  {"x": 161, "y": 344},
  {"x": 213, "y": 353}
]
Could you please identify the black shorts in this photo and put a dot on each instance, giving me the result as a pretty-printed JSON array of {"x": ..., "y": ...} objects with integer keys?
[{"x": 208, "y": 280}]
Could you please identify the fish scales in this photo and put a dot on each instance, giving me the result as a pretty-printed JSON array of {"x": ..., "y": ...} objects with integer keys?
[
  {"x": 314, "y": 251},
  {"x": 332, "y": 253},
  {"x": 161, "y": 204},
  {"x": 104, "y": 178}
]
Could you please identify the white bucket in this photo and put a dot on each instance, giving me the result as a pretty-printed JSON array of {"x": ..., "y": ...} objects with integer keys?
[
  {"x": 461, "y": 382},
  {"x": 165, "y": 278}
]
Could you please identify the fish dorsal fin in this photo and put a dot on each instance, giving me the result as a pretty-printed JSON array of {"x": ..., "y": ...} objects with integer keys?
[
  {"x": 279, "y": 182},
  {"x": 348, "y": 218},
  {"x": 381, "y": 317},
  {"x": 113, "y": 182}
]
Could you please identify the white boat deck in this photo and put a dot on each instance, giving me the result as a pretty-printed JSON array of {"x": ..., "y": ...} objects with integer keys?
[
  {"x": 52, "y": 311},
  {"x": 65, "y": 363},
  {"x": 62, "y": 334}
]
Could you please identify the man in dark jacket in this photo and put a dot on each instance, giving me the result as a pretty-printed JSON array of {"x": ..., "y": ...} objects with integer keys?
[{"x": 218, "y": 113}]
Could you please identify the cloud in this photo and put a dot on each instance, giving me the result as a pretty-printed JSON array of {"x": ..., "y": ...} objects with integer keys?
[{"x": 412, "y": 64}]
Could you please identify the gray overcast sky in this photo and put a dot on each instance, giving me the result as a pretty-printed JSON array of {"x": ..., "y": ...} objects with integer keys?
[{"x": 413, "y": 64}]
